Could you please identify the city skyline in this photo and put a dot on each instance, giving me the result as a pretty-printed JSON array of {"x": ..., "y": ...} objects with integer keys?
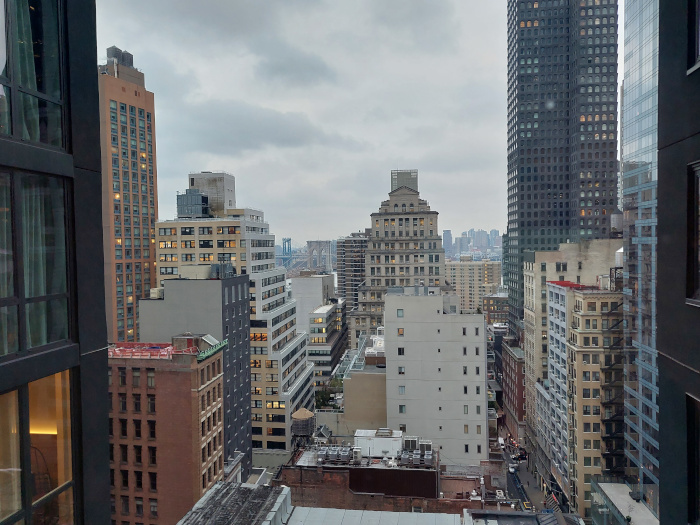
[{"x": 394, "y": 86}]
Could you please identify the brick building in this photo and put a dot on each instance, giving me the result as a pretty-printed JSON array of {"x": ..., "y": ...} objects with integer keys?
[
  {"x": 495, "y": 307},
  {"x": 513, "y": 384},
  {"x": 166, "y": 427}
]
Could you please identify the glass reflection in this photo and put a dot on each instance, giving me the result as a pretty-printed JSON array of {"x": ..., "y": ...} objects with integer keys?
[{"x": 10, "y": 470}]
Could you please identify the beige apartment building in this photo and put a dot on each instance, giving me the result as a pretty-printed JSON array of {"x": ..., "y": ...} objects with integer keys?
[
  {"x": 579, "y": 263},
  {"x": 129, "y": 191},
  {"x": 404, "y": 249},
  {"x": 595, "y": 386},
  {"x": 281, "y": 374},
  {"x": 472, "y": 280}
]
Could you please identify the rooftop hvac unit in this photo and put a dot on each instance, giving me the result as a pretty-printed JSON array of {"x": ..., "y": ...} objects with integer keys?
[
  {"x": 356, "y": 455},
  {"x": 405, "y": 459},
  {"x": 345, "y": 454},
  {"x": 157, "y": 293},
  {"x": 333, "y": 455},
  {"x": 428, "y": 460},
  {"x": 410, "y": 443},
  {"x": 416, "y": 460},
  {"x": 425, "y": 446},
  {"x": 323, "y": 453}
]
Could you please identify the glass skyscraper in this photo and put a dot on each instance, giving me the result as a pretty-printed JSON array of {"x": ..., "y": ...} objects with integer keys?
[
  {"x": 562, "y": 129},
  {"x": 639, "y": 181}
]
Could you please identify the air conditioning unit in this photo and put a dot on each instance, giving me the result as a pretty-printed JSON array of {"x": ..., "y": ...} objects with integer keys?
[
  {"x": 410, "y": 443},
  {"x": 425, "y": 445}
]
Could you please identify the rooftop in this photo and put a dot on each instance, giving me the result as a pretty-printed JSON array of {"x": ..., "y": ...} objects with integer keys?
[
  {"x": 318, "y": 516},
  {"x": 237, "y": 504},
  {"x": 619, "y": 495},
  {"x": 569, "y": 284}
]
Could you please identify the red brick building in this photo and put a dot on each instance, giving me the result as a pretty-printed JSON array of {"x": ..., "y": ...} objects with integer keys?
[
  {"x": 165, "y": 427},
  {"x": 495, "y": 307},
  {"x": 513, "y": 384}
]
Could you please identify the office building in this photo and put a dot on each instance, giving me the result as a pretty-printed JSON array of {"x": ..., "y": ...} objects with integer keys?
[
  {"x": 310, "y": 290},
  {"x": 678, "y": 317},
  {"x": 166, "y": 446},
  {"x": 404, "y": 249},
  {"x": 351, "y": 266},
  {"x": 579, "y": 263},
  {"x": 513, "y": 383},
  {"x": 436, "y": 373},
  {"x": 401, "y": 178},
  {"x": 447, "y": 243},
  {"x": 472, "y": 280},
  {"x": 130, "y": 191},
  {"x": 328, "y": 338},
  {"x": 495, "y": 307},
  {"x": 562, "y": 130},
  {"x": 220, "y": 189},
  {"x": 54, "y": 466},
  {"x": 639, "y": 182},
  {"x": 242, "y": 239},
  {"x": 209, "y": 300}
]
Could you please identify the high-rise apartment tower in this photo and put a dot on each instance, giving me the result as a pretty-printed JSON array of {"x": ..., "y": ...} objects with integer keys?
[
  {"x": 129, "y": 191},
  {"x": 562, "y": 129}
]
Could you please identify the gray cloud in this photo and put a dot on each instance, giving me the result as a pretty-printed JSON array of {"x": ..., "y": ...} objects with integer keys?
[{"x": 311, "y": 103}]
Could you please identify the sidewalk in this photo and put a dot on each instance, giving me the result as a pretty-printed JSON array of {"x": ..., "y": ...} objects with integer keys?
[{"x": 536, "y": 496}]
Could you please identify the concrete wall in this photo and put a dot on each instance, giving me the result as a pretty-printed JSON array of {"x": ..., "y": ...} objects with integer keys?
[
  {"x": 310, "y": 293},
  {"x": 189, "y": 306}
]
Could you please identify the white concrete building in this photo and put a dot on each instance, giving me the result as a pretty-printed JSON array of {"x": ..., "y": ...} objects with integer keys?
[
  {"x": 310, "y": 292},
  {"x": 436, "y": 373}
]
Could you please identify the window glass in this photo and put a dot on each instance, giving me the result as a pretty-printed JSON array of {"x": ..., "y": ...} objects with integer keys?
[
  {"x": 10, "y": 470},
  {"x": 5, "y": 108},
  {"x": 38, "y": 46},
  {"x": 50, "y": 440},
  {"x": 44, "y": 247},
  {"x": 40, "y": 120}
]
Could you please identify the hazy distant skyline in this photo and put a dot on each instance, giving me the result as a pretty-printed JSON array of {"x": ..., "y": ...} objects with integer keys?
[{"x": 312, "y": 103}]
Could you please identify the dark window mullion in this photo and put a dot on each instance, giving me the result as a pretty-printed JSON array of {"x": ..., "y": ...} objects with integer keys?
[
  {"x": 18, "y": 226},
  {"x": 11, "y": 29},
  {"x": 39, "y": 94}
]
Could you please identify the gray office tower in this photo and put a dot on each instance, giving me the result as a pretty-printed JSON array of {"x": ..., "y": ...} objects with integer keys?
[
  {"x": 562, "y": 129},
  {"x": 408, "y": 178}
]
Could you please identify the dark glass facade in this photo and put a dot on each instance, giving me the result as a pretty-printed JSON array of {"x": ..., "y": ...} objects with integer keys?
[
  {"x": 562, "y": 129},
  {"x": 677, "y": 314},
  {"x": 53, "y": 411}
]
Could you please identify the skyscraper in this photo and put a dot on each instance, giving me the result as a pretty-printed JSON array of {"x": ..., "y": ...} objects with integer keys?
[
  {"x": 54, "y": 465},
  {"x": 130, "y": 191},
  {"x": 639, "y": 180},
  {"x": 562, "y": 129},
  {"x": 404, "y": 249}
]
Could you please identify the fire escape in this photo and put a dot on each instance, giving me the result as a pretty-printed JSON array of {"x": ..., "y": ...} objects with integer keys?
[{"x": 612, "y": 383}]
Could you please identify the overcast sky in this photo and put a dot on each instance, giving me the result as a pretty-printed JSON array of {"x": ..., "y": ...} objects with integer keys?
[{"x": 311, "y": 103}]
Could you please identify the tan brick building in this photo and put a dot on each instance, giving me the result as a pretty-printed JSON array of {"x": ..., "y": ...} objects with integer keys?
[
  {"x": 166, "y": 427},
  {"x": 472, "y": 280},
  {"x": 129, "y": 191},
  {"x": 404, "y": 249}
]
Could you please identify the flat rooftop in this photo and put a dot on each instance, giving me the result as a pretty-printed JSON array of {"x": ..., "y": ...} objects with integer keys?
[
  {"x": 324, "y": 309},
  {"x": 318, "y": 516},
  {"x": 309, "y": 459},
  {"x": 619, "y": 495}
]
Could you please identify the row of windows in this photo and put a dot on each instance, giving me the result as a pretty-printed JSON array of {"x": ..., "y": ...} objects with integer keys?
[
  {"x": 137, "y": 454},
  {"x": 138, "y": 506},
  {"x": 137, "y": 480},
  {"x": 136, "y": 424},
  {"x": 136, "y": 403}
]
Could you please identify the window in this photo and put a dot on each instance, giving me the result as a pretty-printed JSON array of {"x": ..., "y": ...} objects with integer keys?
[
  {"x": 153, "y": 504},
  {"x": 153, "y": 481},
  {"x": 466, "y": 448},
  {"x": 402, "y": 409},
  {"x": 402, "y": 390},
  {"x": 400, "y": 332},
  {"x": 152, "y": 429},
  {"x": 402, "y": 370},
  {"x": 152, "y": 456},
  {"x": 466, "y": 407},
  {"x": 399, "y": 312},
  {"x": 151, "y": 377},
  {"x": 466, "y": 429},
  {"x": 401, "y": 350},
  {"x": 136, "y": 377},
  {"x": 138, "y": 504},
  {"x": 137, "y": 402},
  {"x": 151, "y": 403}
]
